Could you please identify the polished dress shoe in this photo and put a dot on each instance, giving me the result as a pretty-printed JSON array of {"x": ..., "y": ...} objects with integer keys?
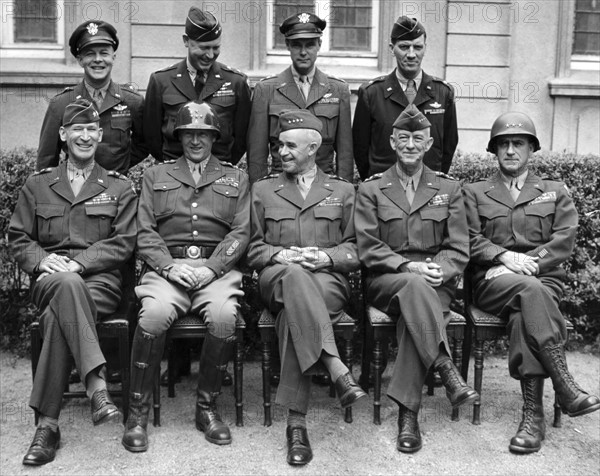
[
  {"x": 299, "y": 450},
  {"x": 409, "y": 435},
  {"x": 103, "y": 408},
  {"x": 457, "y": 390},
  {"x": 209, "y": 422},
  {"x": 43, "y": 448},
  {"x": 348, "y": 390}
]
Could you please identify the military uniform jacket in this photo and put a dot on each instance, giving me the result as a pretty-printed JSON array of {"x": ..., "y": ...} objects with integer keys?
[
  {"x": 97, "y": 228},
  {"x": 328, "y": 99},
  {"x": 226, "y": 89},
  {"x": 174, "y": 211},
  {"x": 121, "y": 113},
  {"x": 542, "y": 222},
  {"x": 282, "y": 218},
  {"x": 379, "y": 104},
  {"x": 390, "y": 232}
]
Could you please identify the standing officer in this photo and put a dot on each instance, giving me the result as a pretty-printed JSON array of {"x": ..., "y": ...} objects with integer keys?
[
  {"x": 94, "y": 44},
  {"x": 522, "y": 229},
  {"x": 412, "y": 238},
  {"x": 381, "y": 100},
  {"x": 73, "y": 227},
  {"x": 301, "y": 86},
  {"x": 302, "y": 245},
  {"x": 198, "y": 77},
  {"x": 194, "y": 225}
]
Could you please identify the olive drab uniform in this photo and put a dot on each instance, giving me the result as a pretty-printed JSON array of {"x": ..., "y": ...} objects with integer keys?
[
  {"x": 381, "y": 101},
  {"x": 542, "y": 222},
  {"x": 389, "y": 233},
  {"x": 302, "y": 299},
  {"x": 328, "y": 99},
  {"x": 226, "y": 90},
  {"x": 122, "y": 144}
]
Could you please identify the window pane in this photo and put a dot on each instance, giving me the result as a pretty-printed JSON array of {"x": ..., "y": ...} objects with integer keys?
[
  {"x": 285, "y": 9},
  {"x": 35, "y": 21},
  {"x": 587, "y": 28},
  {"x": 351, "y": 25}
]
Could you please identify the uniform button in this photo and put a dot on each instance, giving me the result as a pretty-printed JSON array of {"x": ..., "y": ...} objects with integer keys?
[
  {"x": 226, "y": 193},
  {"x": 194, "y": 205},
  {"x": 194, "y": 217},
  {"x": 197, "y": 191},
  {"x": 164, "y": 186},
  {"x": 195, "y": 233}
]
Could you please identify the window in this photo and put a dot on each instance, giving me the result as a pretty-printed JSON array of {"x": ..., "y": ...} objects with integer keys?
[
  {"x": 352, "y": 26},
  {"x": 32, "y": 29},
  {"x": 586, "y": 33}
]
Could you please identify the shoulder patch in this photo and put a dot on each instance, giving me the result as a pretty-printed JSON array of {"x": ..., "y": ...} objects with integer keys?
[
  {"x": 374, "y": 177},
  {"x": 270, "y": 176},
  {"x": 446, "y": 176},
  {"x": 376, "y": 80},
  {"x": 44, "y": 171}
]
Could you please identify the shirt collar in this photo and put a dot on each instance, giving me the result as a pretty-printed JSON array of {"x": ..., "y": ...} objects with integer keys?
[
  {"x": 91, "y": 89},
  {"x": 506, "y": 180},
  {"x": 404, "y": 82},
  {"x": 309, "y": 76},
  {"x": 193, "y": 72},
  {"x": 416, "y": 178},
  {"x": 202, "y": 164},
  {"x": 73, "y": 171},
  {"x": 308, "y": 176}
]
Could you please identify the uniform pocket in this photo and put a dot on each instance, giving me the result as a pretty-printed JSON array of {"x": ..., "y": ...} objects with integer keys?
[
  {"x": 328, "y": 223},
  {"x": 391, "y": 226},
  {"x": 225, "y": 201},
  {"x": 171, "y": 104},
  {"x": 50, "y": 220},
  {"x": 100, "y": 221},
  {"x": 165, "y": 197},
  {"x": 538, "y": 221},
  {"x": 494, "y": 221},
  {"x": 434, "y": 221},
  {"x": 281, "y": 226},
  {"x": 328, "y": 114},
  {"x": 119, "y": 135}
]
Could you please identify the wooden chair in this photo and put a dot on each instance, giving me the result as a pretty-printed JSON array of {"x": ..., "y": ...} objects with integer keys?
[
  {"x": 481, "y": 327},
  {"x": 379, "y": 328},
  {"x": 193, "y": 327},
  {"x": 344, "y": 328}
]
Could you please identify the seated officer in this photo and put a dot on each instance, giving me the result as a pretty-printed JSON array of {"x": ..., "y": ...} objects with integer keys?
[
  {"x": 194, "y": 225},
  {"x": 73, "y": 227},
  {"x": 411, "y": 232},
  {"x": 302, "y": 244},
  {"x": 522, "y": 228}
]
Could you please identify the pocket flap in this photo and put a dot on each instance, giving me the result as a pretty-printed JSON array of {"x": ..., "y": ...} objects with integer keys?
[
  {"x": 331, "y": 213},
  {"x": 157, "y": 186},
  {"x": 434, "y": 213},
  {"x": 47, "y": 210},
  {"x": 173, "y": 99},
  {"x": 327, "y": 110},
  {"x": 491, "y": 212},
  {"x": 277, "y": 214},
  {"x": 104, "y": 210},
  {"x": 540, "y": 209},
  {"x": 226, "y": 190},
  {"x": 389, "y": 213}
]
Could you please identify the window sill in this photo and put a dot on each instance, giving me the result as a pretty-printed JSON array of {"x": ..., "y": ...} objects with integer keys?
[
  {"x": 38, "y": 72},
  {"x": 579, "y": 84}
]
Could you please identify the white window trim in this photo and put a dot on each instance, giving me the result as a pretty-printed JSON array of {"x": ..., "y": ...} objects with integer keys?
[
  {"x": 334, "y": 58},
  {"x": 9, "y": 49}
]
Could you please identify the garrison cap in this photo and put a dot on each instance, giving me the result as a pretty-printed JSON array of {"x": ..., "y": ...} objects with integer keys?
[
  {"x": 80, "y": 111},
  {"x": 202, "y": 26},
  {"x": 407, "y": 28},
  {"x": 302, "y": 25},
  {"x": 93, "y": 33},
  {"x": 299, "y": 119},
  {"x": 411, "y": 119}
]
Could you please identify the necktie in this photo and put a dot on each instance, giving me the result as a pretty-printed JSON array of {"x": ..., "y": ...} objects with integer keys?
[
  {"x": 305, "y": 85},
  {"x": 77, "y": 183},
  {"x": 411, "y": 90},
  {"x": 97, "y": 97},
  {"x": 514, "y": 189},
  {"x": 196, "y": 173},
  {"x": 304, "y": 189},
  {"x": 199, "y": 83},
  {"x": 410, "y": 191}
]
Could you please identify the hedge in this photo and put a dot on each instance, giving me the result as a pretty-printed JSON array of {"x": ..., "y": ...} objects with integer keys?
[{"x": 581, "y": 303}]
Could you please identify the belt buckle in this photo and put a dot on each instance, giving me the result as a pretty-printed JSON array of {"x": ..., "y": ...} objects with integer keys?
[{"x": 193, "y": 252}]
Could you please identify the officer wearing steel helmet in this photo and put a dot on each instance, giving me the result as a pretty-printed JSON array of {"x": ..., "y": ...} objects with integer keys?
[
  {"x": 522, "y": 228},
  {"x": 194, "y": 225}
]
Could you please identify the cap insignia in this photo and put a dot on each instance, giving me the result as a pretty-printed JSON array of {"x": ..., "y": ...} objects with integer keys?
[
  {"x": 92, "y": 29},
  {"x": 514, "y": 125},
  {"x": 303, "y": 18}
]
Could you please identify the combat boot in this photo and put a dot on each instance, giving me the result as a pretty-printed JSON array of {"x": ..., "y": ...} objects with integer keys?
[{"x": 532, "y": 429}]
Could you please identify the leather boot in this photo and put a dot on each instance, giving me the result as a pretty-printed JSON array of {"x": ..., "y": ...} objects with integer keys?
[
  {"x": 146, "y": 353},
  {"x": 409, "y": 435},
  {"x": 532, "y": 428},
  {"x": 457, "y": 390},
  {"x": 213, "y": 360},
  {"x": 573, "y": 399}
]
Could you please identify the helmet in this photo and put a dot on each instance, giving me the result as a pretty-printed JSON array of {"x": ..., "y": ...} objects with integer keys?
[
  {"x": 197, "y": 116},
  {"x": 511, "y": 123}
]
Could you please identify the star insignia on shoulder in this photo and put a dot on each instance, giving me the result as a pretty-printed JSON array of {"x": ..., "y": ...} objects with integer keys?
[{"x": 374, "y": 177}]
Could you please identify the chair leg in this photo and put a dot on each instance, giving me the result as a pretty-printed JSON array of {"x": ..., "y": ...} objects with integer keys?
[
  {"x": 557, "y": 423},
  {"x": 377, "y": 364},
  {"x": 36, "y": 349},
  {"x": 156, "y": 398},
  {"x": 171, "y": 364},
  {"x": 478, "y": 380},
  {"x": 238, "y": 372},
  {"x": 266, "y": 374},
  {"x": 457, "y": 357},
  {"x": 365, "y": 363},
  {"x": 348, "y": 362}
]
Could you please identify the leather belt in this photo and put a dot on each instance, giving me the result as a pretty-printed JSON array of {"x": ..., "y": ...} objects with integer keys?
[{"x": 192, "y": 252}]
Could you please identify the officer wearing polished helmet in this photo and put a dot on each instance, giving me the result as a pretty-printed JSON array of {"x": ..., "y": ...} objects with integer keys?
[
  {"x": 94, "y": 45},
  {"x": 522, "y": 229},
  {"x": 194, "y": 225}
]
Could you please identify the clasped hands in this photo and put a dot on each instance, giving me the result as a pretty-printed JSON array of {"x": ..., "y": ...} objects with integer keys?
[
  {"x": 54, "y": 263},
  {"x": 432, "y": 272},
  {"x": 191, "y": 278},
  {"x": 309, "y": 257},
  {"x": 513, "y": 262}
]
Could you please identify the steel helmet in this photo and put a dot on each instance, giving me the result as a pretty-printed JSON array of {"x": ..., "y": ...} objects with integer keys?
[
  {"x": 511, "y": 123},
  {"x": 197, "y": 116}
]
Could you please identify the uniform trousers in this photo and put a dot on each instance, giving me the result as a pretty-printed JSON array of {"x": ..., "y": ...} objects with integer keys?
[
  {"x": 530, "y": 306},
  {"x": 69, "y": 308},
  {"x": 306, "y": 304},
  {"x": 164, "y": 301},
  {"x": 422, "y": 314}
]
